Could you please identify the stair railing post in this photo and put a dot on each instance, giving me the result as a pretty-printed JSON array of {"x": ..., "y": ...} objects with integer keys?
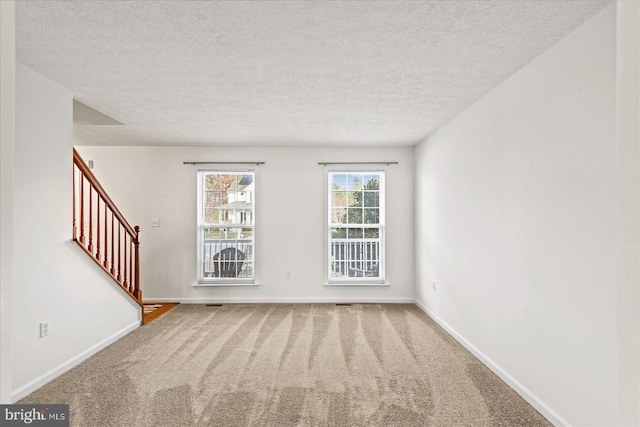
[
  {"x": 127, "y": 274},
  {"x": 74, "y": 201},
  {"x": 137, "y": 293},
  {"x": 90, "y": 248},
  {"x": 82, "y": 209}
]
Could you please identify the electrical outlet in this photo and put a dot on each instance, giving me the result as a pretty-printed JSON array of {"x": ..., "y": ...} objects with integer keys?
[
  {"x": 44, "y": 329},
  {"x": 155, "y": 222},
  {"x": 434, "y": 286}
]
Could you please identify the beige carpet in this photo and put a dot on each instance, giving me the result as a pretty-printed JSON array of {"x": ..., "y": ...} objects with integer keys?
[{"x": 287, "y": 365}]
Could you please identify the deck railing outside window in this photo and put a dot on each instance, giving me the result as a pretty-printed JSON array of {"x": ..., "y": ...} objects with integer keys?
[
  {"x": 354, "y": 258},
  {"x": 213, "y": 247}
]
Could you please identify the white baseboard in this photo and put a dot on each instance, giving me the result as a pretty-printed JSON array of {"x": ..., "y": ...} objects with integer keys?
[
  {"x": 76, "y": 360},
  {"x": 527, "y": 395},
  {"x": 281, "y": 300}
]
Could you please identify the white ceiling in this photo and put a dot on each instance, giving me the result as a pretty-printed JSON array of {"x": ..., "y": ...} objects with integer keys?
[{"x": 287, "y": 72}]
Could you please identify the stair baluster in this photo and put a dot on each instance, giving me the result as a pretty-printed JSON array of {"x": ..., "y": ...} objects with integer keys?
[{"x": 125, "y": 247}]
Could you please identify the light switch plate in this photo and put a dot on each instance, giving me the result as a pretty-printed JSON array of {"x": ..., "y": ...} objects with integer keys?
[{"x": 155, "y": 222}]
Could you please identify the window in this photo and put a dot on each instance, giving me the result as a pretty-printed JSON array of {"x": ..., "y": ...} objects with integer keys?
[
  {"x": 356, "y": 227},
  {"x": 226, "y": 226}
]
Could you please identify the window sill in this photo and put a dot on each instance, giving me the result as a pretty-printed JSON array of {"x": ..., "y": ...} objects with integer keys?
[
  {"x": 357, "y": 283},
  {"x": 225, "y": 283}
]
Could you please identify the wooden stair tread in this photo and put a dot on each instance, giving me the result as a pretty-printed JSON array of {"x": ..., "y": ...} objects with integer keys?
[{"x": 152, "y": 310}]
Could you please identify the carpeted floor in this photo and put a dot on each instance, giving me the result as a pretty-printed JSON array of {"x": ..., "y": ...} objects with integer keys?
[{"x": 287, "y": 365}]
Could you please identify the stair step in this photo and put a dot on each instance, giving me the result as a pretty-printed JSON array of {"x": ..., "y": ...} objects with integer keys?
[{"x": 152, "y": 310}]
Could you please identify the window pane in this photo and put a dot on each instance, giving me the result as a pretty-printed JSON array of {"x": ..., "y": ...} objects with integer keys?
[
  {"x": 247, "y": 233},
  {"x": 339, "y": 216},
  {"x": 371, "y": 182},
  {"x": 355, "y": 198},
  {"x": 372, "y": 199},
  {"x": 232, "y": 185},
  {"x": 230, "y": 205},
  {"x": 338, "y": 269},
  {"x": 214, "y": 182},
  {"x": 354, "y": 233},
  {"x": 371, "y": 216},
  {"x": 339, "y": 182},
  {"x": 211, "y": 215},
  {"x": 371, "y": 233},
  {"x": 212, "y": 233},
  {"x": 339, "y": 198},
  {"x": 338, "y": 233},
  {"x": 354, "y": 182},
  {"x": 208, "y": 182},
  {"x": 354, "y": 216},
  {"x": 234, "y": 232},
  {"x": 246, "y": 270},
  {"x": 211, "y": 198},
  {"x": 230, "y": 216},
  {"x": 246, "y": 181}
]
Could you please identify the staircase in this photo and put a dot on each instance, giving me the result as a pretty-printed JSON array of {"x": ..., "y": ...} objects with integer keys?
[{"x": 101, "y": 230}]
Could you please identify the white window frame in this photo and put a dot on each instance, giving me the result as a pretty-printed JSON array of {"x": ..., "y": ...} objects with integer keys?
[
  {"x": 354, "y": 281},
  {"x": 200, "y": 225}
]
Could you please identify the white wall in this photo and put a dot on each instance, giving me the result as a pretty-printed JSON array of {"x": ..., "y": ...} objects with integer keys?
[
  {"x": 516, "y": 224},
  {"x": 53, "y": 280},
  {"x": 148, "y": 182},
  {"x": 7, "y": 144},
  {"x": 628, "y": 209}
]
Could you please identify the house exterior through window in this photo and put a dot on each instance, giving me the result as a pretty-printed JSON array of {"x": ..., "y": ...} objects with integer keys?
[
  {"x": 226, "y": 227},
  {"x": 355, "y": 227}
]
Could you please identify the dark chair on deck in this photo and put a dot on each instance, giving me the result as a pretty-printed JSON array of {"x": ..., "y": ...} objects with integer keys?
[
  {"x": 372, "y": 271},
  {"x": 228, "y": 263}
]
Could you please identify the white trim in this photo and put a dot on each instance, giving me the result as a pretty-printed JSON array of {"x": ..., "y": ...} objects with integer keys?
[
  {"x": 228, "y": 282},
  {"x": 527, "y": 395},
  {"x": 358, "y": 283},
  {"x": 328, "y": 225},
  {"x": 285, "y": 300},
  {"x": 74, "y": 361},
  {"x": 211, "y": 281}
]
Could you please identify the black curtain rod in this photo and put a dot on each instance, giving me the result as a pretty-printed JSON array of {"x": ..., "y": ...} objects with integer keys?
[
  {"x": 357, "y": 163},
  {"x": 223, "y": 163}
]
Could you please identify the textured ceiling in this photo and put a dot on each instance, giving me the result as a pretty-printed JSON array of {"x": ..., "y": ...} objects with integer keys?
[{"x": 284, "y": 73}]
